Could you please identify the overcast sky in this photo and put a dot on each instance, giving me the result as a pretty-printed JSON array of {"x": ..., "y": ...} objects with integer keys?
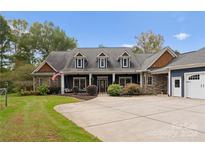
[{"x": 183, "y": 31}]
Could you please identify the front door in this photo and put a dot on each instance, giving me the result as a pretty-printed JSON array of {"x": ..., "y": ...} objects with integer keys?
[
  {"x": 176, "y": 86},
  {"x": 102, "y": 85}
]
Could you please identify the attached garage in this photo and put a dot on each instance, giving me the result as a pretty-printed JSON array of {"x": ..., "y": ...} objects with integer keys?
[
  {"x": 189, "y": 82},
  {"x": 187, "y": 75},
  {"x": 194, "y": 85}
]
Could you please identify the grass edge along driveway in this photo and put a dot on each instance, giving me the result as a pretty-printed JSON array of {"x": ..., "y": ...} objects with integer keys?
[{"x": 33, "y": 118}]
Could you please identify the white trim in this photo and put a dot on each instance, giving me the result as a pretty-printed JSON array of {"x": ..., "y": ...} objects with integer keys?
[
  {"x": 78, "y": 78},
  {"x": 90, "y": 79},
  {"x": 102, "y": 56},
  {"x": 82, "y": 55},
  {"x": 125, "y": 66},
  {"x": 41, "y": 65},
  {"x": 173, "y": 84},
  {"x": 194, "y": 73},
  {"x": 185, "y": 79},
  {"x": 62, "y": 84},
  {"x": 34, "y": 83},
  {"x": 164, "y": 50},
  {"x": 123, "y": 54},
  {"x": 100, "y": 60},
  {"x": 187, "y": 66},
  {"x": 169, "y": 83},
  {"x": 141, "y": 80},
  {"x": 113, "y": 77},
  {"x": 39, "y": 81},
  {"x": 43, "y": 74},
  {"x": 81, "y": 62},
  {"x": 98, "y": 72}
]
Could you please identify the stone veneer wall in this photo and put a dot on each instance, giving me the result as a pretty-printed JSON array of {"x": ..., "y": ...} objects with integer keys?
[{"x": 159, "y": 85}]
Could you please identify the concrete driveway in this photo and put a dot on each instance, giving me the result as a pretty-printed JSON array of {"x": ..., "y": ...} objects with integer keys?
[{"x": 142, "y": 118}]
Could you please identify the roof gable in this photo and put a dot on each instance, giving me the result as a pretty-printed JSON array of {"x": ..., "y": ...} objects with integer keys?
[
  {"x": 188, "y": 60},
  {"x": 125, "y": 53},
  {"x": 79, "y": 55},
  {"x": 158, "y": 57},
  {"x": 163, "y": 60},
  {"x": 45, "y": 67},
  {"x": 102, "y": 54}
]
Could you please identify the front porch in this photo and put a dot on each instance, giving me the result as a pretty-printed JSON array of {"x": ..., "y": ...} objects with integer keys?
[{"x": 102, "y": 81}]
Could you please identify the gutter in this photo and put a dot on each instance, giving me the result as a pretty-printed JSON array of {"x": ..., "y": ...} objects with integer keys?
[{"x": 186, "y": 66}]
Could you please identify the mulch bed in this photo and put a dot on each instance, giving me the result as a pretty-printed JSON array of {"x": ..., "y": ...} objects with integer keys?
[{"x": 82, "y": 96}]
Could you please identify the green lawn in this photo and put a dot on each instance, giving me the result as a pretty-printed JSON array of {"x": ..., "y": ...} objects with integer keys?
[{"x": 32, "y": 118}]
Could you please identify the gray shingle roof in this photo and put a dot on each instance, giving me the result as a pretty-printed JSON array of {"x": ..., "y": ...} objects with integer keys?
[
  {"x": 64, "y": 61},
  {"x": 113, "y": 63},
  {"x": 59, "y": 59},
  {"x": 194, "y": 57}
]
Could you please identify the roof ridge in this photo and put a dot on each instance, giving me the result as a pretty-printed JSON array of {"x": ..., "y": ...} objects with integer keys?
[
  {"x": 100, "y": 47},
  {"x": 61, "y": 51},
  {"x": 188, "y": 52}
]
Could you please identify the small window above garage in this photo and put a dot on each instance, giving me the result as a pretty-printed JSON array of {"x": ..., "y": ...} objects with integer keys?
[{"x": 194, "y": 77}]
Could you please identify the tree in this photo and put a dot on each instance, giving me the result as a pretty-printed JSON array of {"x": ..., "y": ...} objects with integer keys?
[
  {"x": 22, "y": 78},
  {"x": 148, "y": 42},
  {"x": 5, "y": 37},
  {"x": 101, "y": 46},
  {"x": 46, "y": 38},
  {"x": 21, "y": 42}
]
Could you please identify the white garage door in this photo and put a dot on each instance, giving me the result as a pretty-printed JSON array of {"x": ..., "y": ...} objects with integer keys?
[{"x": 195, "y": 85}]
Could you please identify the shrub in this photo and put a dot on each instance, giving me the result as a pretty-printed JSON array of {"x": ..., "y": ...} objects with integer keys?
[
  {"x": 43, "y": 90},
  {"x": 132, "y": 89},
  {"x": 92, "y": 90},
  {"x": 75, "y": 89},
  {"x": 27, "y": 93},
  {"x": 114, "y": 90},
  {"x": 54, "y": 90}
]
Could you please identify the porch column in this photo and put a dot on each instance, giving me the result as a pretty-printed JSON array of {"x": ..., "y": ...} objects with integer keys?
[
  {"x": 34, "y": 83},
  {"x": 145, "y": 82},
  {"x": 141, "y": 79},
  {"x": 113, "y": 77},
  {"x": 62, "y": 84},
  {"x": 169, "y": 83},
  {"x": 90, "y": 79}
]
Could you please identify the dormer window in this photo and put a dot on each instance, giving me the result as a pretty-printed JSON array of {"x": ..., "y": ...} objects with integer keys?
[
  {"x": 79, "y": 63},
  {"x": 124, "y": 60},
  {"x": 102, "y": 60},
  {"x": 79, "y": 60}
]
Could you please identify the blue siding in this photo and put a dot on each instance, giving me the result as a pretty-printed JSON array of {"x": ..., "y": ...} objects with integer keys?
[{"x": 180, "y": 73}]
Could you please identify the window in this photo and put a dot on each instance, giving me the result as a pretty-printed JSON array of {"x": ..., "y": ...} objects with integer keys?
[
  {"x": 194, "y": 77},
  {"x": 79, "y": 63},
  {"x": 80, "y": 82},
  {"x": 40, "y": 81},
  {"x": 125, "y": 62},
  {"x": 150, "y": 80},
  {"x": 177, "y": 83},
  {"x": 125, "y": 80},
  {"x": 102, "y": 62}
]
